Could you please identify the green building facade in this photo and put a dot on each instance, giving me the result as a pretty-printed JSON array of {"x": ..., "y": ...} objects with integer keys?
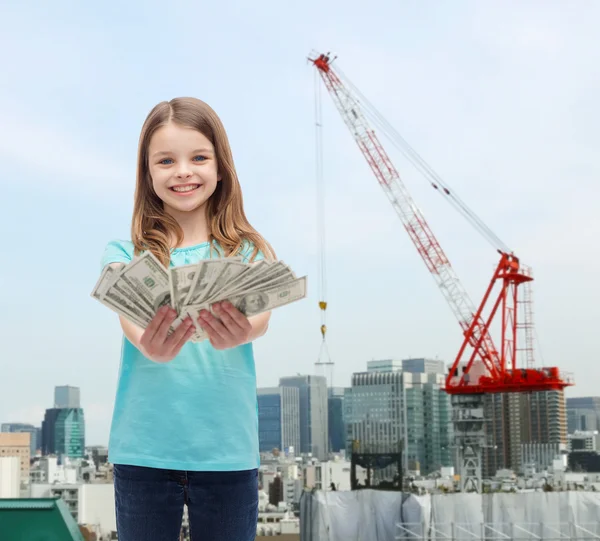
[{"x": 63, "y": 432}]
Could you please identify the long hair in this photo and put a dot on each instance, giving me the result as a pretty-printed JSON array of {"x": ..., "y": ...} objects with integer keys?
[{"x": 152, "y": 228}]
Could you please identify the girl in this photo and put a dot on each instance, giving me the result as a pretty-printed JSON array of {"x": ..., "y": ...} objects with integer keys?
[{"x": 185, "y": 427}]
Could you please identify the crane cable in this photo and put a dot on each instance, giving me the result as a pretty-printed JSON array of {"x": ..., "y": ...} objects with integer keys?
[
  {"x": 322, "y": 271},
  {"x": 419, "y": 163}
]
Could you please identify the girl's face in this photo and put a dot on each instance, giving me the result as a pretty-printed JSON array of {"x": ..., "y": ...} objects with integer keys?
[{"x": 183, "y": 167}]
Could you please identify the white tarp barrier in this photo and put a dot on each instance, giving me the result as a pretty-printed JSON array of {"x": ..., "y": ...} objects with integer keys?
[
  {"x": 547, "y": 515},
  {"x": 371, "y": 515}
]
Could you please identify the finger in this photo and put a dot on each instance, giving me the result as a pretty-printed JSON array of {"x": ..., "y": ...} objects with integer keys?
[
  {"x": 154, "y": 325},
  {"x": 186, "y": 336},
  {"x": 163, "y": 330},
  {"x": 217, "y": 342},
  {"x": 229, "y": 321},
  {"x": 174, "y": 341},
  {"x": 211, "y": 323},
  {"x": 237, "y": 316}
]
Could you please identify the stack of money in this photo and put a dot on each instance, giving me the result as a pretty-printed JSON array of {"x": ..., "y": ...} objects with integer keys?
[{"x": 137, "y": 290}]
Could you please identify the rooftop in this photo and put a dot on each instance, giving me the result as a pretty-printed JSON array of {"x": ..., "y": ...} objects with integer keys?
[{"x": 37, "y": 518}]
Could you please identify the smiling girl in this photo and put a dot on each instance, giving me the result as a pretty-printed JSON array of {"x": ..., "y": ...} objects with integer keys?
[{"x": 185, "y": 427}]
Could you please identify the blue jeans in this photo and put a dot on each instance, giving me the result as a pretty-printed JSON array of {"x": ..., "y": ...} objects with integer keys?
[{"x": 222, "y": 506}]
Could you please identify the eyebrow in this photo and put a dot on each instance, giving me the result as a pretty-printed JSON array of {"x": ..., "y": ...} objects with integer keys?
[{"x": 197, "y": 151}]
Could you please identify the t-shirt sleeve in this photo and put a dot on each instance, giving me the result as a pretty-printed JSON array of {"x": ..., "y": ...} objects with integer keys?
[{"x": 117, "y": 251}]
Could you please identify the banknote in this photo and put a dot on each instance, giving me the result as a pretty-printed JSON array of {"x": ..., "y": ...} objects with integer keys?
[
  {"x": 254, "y": 302},
  {"x": 207, "y": 270},
  {"x": 182, "y": 279},
  {"x": 254, "y": 272},
  {"x": 149, "y": 279},
  {"x": 228, "y": 274},
  {"x": 278, "y": 273},
  {"x": 138, "y": 289},
  {"x": 113, "y": 300}
]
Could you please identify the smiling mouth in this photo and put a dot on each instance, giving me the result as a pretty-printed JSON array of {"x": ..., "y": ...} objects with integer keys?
[{"x": 184, "y": 189}]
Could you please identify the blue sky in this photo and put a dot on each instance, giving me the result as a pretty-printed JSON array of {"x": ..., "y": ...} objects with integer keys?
[{"x": 500, "y": 98}]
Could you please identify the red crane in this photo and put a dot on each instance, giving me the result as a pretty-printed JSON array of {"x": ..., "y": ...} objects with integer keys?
[{"x": 479, "y": 366}]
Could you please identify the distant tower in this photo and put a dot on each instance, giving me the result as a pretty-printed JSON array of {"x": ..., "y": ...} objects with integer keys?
[
  {"x": 314, "y": 422},
  {"x": 63, "y": 427}
]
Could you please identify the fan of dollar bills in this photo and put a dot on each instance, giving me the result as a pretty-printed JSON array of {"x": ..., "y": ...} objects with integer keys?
[{"x": 138, "y": 289}]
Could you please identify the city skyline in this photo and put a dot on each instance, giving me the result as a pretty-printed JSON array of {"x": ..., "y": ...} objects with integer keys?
[
  {"x": 499, "y": 100},
  {"x": 416, "y": 365}
]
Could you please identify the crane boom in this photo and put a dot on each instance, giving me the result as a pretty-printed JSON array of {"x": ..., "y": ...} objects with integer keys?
[{"x": 499, "y": 373}]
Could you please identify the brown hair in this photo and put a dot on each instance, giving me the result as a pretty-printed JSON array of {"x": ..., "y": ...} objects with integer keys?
[{"x": 152, "y": 228}]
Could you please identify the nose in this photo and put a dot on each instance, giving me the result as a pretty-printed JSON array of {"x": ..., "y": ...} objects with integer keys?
[{"x": 183, "y": 173}]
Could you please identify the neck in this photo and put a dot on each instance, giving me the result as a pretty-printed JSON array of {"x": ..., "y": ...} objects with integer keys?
[{"x": 194, "y": 225}]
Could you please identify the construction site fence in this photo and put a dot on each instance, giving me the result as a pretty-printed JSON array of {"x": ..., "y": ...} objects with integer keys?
[
  {"x": 508, "y": 531},
  {"x": 375, "y": 515}
]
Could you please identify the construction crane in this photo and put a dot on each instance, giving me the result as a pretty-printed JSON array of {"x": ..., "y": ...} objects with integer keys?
[{"x": 479, "y": 367}]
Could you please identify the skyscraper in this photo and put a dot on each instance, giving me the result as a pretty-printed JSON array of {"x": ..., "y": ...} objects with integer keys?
[
  {"x": 389, "y": 408},
  {"x": 335, "y": 419},
  {"x": 63, "y": 432},
  {"x": 314, "y": 432},
  {"x": 278, "y": 418},
  {"x": 514, "y": 420},
  {"x": 63, "y": 427},
  {"x": 583, "y": 413}
]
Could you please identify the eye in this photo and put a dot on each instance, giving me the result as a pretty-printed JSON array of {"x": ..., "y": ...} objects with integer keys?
[
  {"x": 164, "y": 161},
  {"x": 199, "y": 158}
]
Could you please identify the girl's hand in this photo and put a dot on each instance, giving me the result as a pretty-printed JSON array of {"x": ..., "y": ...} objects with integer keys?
[
  {"x": 156, "y": 344},
  {"x": 231, "y": 329}
]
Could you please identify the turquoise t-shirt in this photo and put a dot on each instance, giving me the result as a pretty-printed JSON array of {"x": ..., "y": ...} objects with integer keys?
[{"x": 197, "y": 412}]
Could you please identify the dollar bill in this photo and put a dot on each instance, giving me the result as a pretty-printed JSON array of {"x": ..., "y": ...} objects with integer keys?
[
  {"x": 182, "y": 279},
  {"x": 254, "y": 272},
  {"x": 251, "y": 303},
  {"x": 228, "y": 274},
  {"x": 137, "y": 290},
  {"x": 278, "y": 273},
  {"x": 207, "y": 270},
  {"x": 104, "y": 293},
  {"x": 256, "y": 302},
  {"x": 150, "y": 280}
]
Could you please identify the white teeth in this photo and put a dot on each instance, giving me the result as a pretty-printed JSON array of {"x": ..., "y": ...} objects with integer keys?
[{"x": 188, "y": 188}]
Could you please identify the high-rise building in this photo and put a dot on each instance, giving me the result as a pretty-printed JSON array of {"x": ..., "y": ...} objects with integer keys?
[
  {"x": 374, "y": 412},
  {"x": 428, "y": 417},
  {"x": 278, "y": 418},
  {"x": 513, "y": 420},
  {"x": 583, "y": 413},
  {"x": 23, "y": 427},
  {"x": 63, "y": 432},
  {"x": 389, "y": 409},
  {"x": 66, "y": 396},
  {"x": 314, "y": 432},
  {"x": 63, "y": 427},
  {"x": 335, "y": 419}
]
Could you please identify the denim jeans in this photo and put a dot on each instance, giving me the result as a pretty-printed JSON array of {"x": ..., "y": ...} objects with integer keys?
[{"x": 222, "y": 506}]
